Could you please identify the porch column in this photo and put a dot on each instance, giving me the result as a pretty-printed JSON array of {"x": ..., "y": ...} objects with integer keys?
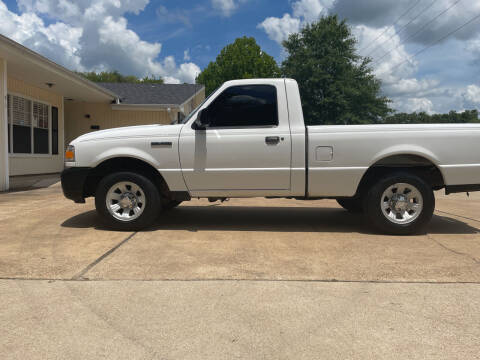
[{"x": 3, "y": 127}]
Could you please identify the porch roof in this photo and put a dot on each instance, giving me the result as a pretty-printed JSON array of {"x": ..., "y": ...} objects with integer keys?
[{"x": 31, "y": 67}]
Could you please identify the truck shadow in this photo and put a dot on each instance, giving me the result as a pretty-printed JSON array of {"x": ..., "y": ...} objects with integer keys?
[{"x": 281, "y": 219}]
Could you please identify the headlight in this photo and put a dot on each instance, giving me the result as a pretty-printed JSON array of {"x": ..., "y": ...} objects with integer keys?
[{"x": 70, "y": 154}]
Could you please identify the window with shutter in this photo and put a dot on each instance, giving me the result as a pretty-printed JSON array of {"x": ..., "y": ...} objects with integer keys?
[{"x": 27, "y": 118}]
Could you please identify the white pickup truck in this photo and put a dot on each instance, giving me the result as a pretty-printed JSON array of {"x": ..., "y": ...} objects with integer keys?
[{"x": 249, "y": 139}]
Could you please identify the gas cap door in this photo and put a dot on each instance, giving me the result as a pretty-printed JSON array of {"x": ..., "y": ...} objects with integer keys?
[{"x": 324, "y": 153}]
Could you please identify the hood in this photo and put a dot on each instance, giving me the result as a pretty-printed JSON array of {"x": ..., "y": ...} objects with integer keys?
[{"x": 131, "y": 131}]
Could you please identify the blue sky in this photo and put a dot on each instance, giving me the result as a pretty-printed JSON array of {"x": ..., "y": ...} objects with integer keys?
[
  {"x": 205, "y": 33},
  {"x": 176, "y": 39}
]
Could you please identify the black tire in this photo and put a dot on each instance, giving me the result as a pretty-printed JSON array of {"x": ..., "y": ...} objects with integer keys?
[
  {"x": 170, "y": 204},
  {"x": 150, "y": 212},
  {"x": 353, "y": 205},
  {"x": 373, "y": 209}
]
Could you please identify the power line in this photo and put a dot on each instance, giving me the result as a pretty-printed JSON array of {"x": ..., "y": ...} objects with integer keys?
[
  {"x": 418, "y": 31},
  {"x": 391, "y": 26},
  {"x": 403, "y": 27},
  {"x": 437, "y": 41}
]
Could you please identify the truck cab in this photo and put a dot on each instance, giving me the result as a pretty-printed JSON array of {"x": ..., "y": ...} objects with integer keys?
[{"x": 241, "y": 144}]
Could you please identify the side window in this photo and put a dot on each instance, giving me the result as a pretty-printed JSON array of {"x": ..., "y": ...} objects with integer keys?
[{"x": 245, "y": 106}]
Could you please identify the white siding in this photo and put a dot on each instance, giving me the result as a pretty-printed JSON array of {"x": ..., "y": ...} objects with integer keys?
[
  {"x": 78, "y": 123},
  {"x": 80, "y": 116}
]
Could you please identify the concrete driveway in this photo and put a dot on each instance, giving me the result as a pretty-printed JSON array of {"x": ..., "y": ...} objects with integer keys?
[{"x": 250, "y": 279}]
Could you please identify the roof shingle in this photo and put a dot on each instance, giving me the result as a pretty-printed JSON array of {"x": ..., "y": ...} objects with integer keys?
[{"x": 158, "y": 94}]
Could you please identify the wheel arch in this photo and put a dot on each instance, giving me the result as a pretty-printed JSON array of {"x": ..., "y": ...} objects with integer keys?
[
  {"x": 124, "y": 163},
  {"x": 421, "y": 164},
  {"x": 405, "y": 150}
]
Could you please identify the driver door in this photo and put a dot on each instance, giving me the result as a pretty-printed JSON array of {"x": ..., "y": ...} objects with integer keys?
[{"x": 246, "y": 147}]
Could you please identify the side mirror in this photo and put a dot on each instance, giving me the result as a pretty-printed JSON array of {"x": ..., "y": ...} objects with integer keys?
[{"x": 202, "y": 121}]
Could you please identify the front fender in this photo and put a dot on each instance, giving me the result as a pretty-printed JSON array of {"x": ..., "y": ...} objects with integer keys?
[{"x": 129, "y": 152}]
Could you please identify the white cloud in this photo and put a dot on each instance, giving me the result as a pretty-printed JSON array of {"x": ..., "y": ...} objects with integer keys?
[
  {"x": 410, "y": 105},
  {"x": 304, "y": 11},
  {"x": 392, "y": 66},
  {"x": 78, "y": 11},
  {"x": 310, "y": 10},
  {"x": 58, "y": 41},
  {"x": 91, "y": 35},
  {"x": 226, "y": 7},
  {"x": 176, "y": 75},
  {"x": 278, "y": 29},
  {"x": 186, "y": 55},
  {"x": 412, "y": 86},
  {"x": 188, "y": 72},
  {"x": 472, "y": 96}
]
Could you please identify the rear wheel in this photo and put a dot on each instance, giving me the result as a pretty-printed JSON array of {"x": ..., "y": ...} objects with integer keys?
[
  {"x": 127, "y": 201},
  {"x": 400, "y": 204},
  {"x": 353, "y": 205}
]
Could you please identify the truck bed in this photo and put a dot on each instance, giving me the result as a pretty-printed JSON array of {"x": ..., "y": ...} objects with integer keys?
[{"x": 339, "y": 155}]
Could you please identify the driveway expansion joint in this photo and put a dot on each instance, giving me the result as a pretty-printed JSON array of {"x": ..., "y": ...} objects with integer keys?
[
  {"x": 323, "y": 281},
  {"x": 79, "y": 276}
]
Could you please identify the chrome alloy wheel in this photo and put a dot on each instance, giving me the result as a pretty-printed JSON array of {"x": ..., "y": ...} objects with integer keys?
[
  {"x": 402, "y": 203},
  {"x": 125, "y": 201}
]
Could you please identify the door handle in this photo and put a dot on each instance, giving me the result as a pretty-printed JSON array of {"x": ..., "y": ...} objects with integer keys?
[
  {"x": 272, "y": 140},
  {"x": 161, "y": 143}
]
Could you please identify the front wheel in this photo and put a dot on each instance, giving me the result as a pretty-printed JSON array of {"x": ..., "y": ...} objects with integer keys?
[
  {"x": 400, "y": 204},
  {"x": 127, "y": 201}
]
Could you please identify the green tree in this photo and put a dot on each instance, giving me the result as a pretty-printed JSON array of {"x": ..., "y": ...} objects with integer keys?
[
  {"x": 453, "y": 117},
  {"x": 337, "y": 85},
  {"x": 244, "y": 59},
  {"x": 151, "y": 80},
  {"x": 116, "y": 77}
]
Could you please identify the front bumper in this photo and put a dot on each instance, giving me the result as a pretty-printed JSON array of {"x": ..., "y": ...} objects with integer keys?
[{"x": 73, "y": 183}]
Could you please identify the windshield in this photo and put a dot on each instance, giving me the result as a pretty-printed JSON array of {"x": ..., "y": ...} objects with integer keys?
[{"x": 184, "y": 121}]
